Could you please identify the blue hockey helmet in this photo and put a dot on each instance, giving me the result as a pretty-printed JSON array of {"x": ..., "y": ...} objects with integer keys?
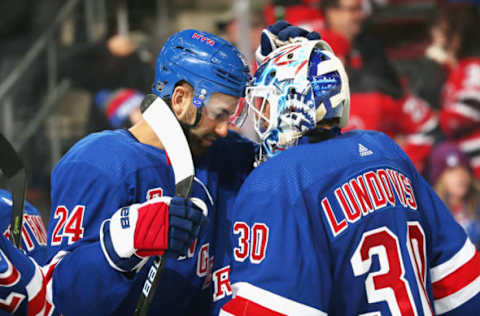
[
  {"x": 207, "y": 62},
  {"x": 297, "y": 86}
]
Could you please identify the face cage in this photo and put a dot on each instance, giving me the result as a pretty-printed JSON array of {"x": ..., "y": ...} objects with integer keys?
[
  {"x": 257, "y": 98},
  {"x": 239, "y": 116}
]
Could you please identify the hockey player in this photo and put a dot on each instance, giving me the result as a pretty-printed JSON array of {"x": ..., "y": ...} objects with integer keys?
[
  {"x": 22, "y": 287},
  {"x": 112, "y": 193},
  {"x": 332, "y": 223}
]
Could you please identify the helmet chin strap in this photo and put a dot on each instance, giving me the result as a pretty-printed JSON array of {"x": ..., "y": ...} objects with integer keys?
[
  {"x": 198, "y": 102},
  {"x": 198, "y": 117}
]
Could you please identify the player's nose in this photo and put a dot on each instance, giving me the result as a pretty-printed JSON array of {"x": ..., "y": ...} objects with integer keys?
[{"x": 222, "y": 129}]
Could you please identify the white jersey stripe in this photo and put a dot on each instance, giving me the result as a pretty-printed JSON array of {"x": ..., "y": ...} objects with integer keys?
[
  {"x": 273, "y": 301},
  {"x": 36, "y": 283},
  {"x": 45, "y": 270},
  {"x": 459, "y": 259},
  {"x": 466, "y": 111},
  {"x": 458, "y": 298},
  {"x": 470, "y": 144}
]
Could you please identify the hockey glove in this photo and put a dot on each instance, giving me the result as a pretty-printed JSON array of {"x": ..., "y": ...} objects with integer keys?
[
  {"x": 279, "y": 34},
  {"x": 163, "y": 225},
  {"x": 22, "y": 284}
]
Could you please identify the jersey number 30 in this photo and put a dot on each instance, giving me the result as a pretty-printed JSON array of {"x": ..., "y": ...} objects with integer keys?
[
  {"x": 252, "y": 242},
  {"x": 389, "y": 283}
]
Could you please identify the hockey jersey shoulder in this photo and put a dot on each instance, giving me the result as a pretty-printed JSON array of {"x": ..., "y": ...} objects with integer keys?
[
  {"x": 130, "y": 155},
  {"x": 90, "y": 161},
  {"x": 346, "y": 154}
]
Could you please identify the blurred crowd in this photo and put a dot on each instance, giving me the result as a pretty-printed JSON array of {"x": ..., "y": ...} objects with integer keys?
[{"x": 414, "y": 70}]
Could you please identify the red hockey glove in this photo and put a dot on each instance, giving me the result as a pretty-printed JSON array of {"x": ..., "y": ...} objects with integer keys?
[{"x": 141, "y": 230}]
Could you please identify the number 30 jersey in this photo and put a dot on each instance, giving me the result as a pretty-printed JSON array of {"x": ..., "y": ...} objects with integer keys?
[{"x": 345, "y": 226}]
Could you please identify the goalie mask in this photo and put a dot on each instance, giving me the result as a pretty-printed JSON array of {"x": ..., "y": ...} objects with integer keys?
[{"x": 297, "y": 86}]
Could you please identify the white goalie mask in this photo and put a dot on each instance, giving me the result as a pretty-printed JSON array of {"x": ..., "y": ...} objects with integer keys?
[{"x": 297, "y": 86}]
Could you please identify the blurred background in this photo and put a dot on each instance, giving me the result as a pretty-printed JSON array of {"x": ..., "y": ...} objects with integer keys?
[{"x": 72, "y": 67}]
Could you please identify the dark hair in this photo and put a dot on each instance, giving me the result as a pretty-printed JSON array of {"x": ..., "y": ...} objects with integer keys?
[
  {"x": 327, "y": 4},
  {"x": 463, "y": 20}
]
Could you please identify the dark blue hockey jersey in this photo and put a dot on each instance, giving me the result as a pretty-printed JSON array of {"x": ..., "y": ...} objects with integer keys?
[
  {"x": 345, "y": 226},
  {"x": 111, "y": 169}
]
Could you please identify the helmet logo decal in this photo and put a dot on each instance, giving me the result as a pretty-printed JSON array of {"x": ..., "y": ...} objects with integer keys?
[
  {"x": 203, "y": 39},
  {"x": 197, "y": 102}
]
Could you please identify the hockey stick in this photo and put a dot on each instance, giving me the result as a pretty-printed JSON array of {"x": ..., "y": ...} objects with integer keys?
[
  {"x": 165, "y": 125},
  {"x": 12, "y": 167}
]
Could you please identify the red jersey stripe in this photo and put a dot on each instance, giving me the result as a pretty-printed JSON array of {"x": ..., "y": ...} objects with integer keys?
[
  {"x": 457, "y": 280},
  {"x": 241, "y": 306}
]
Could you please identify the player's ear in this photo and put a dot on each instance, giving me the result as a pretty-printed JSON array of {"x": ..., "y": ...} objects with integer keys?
[
  {"x": 182, "y": 98},
  {"x": 182, "y": 102}
]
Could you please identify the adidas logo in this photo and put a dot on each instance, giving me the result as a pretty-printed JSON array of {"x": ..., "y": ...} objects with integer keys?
[{"x": 364, "y": 151}]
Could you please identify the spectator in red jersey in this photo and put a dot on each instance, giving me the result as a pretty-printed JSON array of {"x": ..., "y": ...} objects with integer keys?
[
  {"x": 378, "y": 99},
  {"x": 344, "y": 16},
  {"x": 302, "y": 13},
  {"x": 339, "y": 43},
  {"x": 450, "y": 174},
  {"x": 460, "y": 113}
]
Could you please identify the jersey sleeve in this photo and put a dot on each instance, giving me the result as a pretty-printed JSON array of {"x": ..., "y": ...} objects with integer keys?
[
  {"x": 454, "y": 260},
  {"x": 271, "y": 253},
  {"x": 459, "y": 114},
  {"x": 22, "y": 284},
  {"x": 82, "y": 198}
]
